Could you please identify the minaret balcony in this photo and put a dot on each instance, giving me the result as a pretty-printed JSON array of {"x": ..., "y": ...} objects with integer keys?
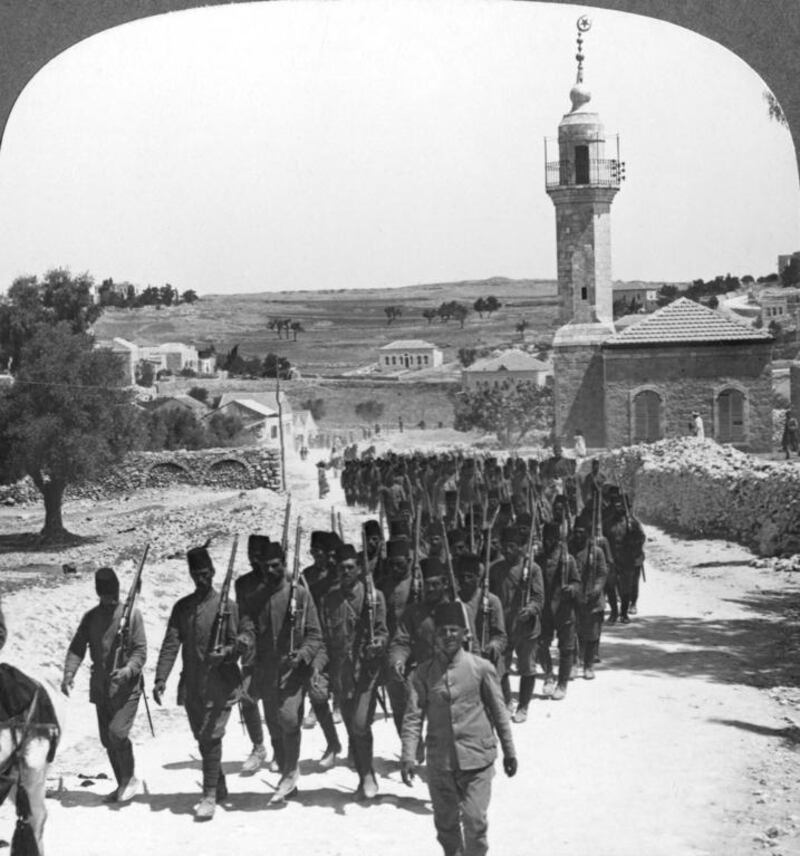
[{"x": 584, "y": 173}]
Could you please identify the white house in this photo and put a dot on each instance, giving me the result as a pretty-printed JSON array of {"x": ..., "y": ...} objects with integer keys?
[
  {"x": 512, "y": 366},
  {"x": 408, "y": 354},
  {"x": 259, "y": 414},
  {"x": 128, "y": 352},
  {"x": 171, "y": 356},
  {"x": 305, "y": 428}
]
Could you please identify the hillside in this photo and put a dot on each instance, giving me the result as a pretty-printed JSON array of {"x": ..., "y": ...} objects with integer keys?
[{"x": 343, "y": 328}]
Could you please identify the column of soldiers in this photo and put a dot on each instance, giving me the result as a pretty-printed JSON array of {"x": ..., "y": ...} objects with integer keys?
[{"x": 485, "y": 565}]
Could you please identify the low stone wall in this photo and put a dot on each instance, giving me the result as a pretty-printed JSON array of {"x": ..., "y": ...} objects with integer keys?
[
  {"x": 700, "y": 488},
  {"x": 241, "y": 469}
]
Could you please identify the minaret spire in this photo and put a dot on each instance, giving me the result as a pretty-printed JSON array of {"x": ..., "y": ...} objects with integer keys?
[{"x": 579, "y": 94}]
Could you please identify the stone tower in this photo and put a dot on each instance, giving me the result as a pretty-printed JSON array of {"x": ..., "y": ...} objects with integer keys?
[{"x": 582, "y": 183}]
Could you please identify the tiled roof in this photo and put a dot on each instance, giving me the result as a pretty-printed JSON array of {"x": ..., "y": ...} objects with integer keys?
[
  {"x": 683, "y": 320},
  {"x": 406, "y": 344},
  {"x": 510, "y": 361}
]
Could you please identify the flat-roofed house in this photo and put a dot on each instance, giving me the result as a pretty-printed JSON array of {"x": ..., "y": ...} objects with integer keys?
[
  {"x": 512, "y": 366},
  {"x": 408, "y": 354}
]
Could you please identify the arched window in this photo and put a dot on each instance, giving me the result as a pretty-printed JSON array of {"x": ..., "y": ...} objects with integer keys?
[
  {"x": 646, "y": 417},
  {"x": 730, "y": 416}
]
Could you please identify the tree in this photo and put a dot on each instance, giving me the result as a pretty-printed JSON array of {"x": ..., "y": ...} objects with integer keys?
[
  {"x": 175, "y": 428},
  {"x": 430, "y": 314},
  {"x": 775, "y": 329},
  {"x": 666, "y": 294},
  {"x": 510, "y": 411},
  {"x": 58, "y": 297},
  {"x": 460, "y": 313},
  {"x": 467, "y": 356},
  {"x": 145, "y": 373},
  {"x": 392, "y": 312},
  {"x": 713, "y": 302},
  {"x": 200, "y": 393},
  {"x": 316, "y": 406},
  {"x": 66, "y": 418},
  {"x": 224, "y": 429},
  {"x": 369, "y": 410},
  {"x": 275, "y": 366},
  {"x": 297, "y": 327},
  {"x": 167, "y": 295},
  {"x": 479, "y": 306},
  {"x": 491, "y": 304},
  {"x": 189, "y": 296}
]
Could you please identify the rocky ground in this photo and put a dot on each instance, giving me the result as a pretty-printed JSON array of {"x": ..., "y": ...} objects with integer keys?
[{"x": 688, "y": 742}]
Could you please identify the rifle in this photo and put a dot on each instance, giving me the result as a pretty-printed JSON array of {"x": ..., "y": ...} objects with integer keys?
[
  {"x": 456, "y": 598},
  {"x": 485, "y": 610},
  {"x": 333, "y": 520},
  {"x": 526, "y": 565},
  {"x": 339, "y": 525},
  {"x": 416, "y": 581},
  {"x": 369, "y": 587},
  {"x": 628, "y": 516},
  {"x": 221, "y": 620},
  {"x": 293, "y": 592},
  {"x": 381, "y": 523},
  {"x": 287, "y": 513},
  {"x": 123, "y": 632}
]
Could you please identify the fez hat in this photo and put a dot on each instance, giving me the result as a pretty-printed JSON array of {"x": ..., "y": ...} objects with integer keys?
[
  {"x": 319, "y": 540},
  {"x": 257, "y": 545},
  {"x": 454, "y": 536},
  {"x": 511, "y": 533},
  {"x": 346, "y": 552},
  {"x": 334, "y": 541},
  {"x": 551, "y": 531},
  {"x": 449, "y": 613},
  {"x": 372, "y": 527},
  {"x": 467, "y": 563},
  {"x": 524, "y": 520},
  {"x": 432, "y": 567},
  {"x": 450, "y": 495},
  {"x": 106, "y": 582},
  {"x": 398, "y": 527},
  {"x": 435, "y": 527},
  {"x": 198, "y": 558},
  {"x": 404, "y": 505},
  {"x": 397, "y": 548},
  {"x": 273, "y": 551}
]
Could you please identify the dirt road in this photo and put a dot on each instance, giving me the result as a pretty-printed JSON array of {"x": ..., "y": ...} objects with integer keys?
[{"x": 684, "y": 744}]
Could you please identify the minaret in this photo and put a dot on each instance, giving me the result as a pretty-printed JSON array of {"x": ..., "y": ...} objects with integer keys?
[{"x": 582, "y": 184}]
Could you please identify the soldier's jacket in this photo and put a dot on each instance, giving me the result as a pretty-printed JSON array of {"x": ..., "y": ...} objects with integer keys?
[
  {"x": 496, "y": 639},
  {"x": 2, "y": 629},
  {"x": 415, "y": 637},
  {"x": 190, "y": 630},
  {"x": 555, "y": 575},
  {"x": 592, "y": 567},
  {"x": 463, "y": 705},
  {"x": 98, "y": 632},
  {"x": 273, "y": 635},
  {"x": 345, "y": 630},
  {"x": 397, "y": 595},
  {"x": 626, "y": 543},
  {"x": 318, "y": 581},
  {"x": 505, "y": 581}
]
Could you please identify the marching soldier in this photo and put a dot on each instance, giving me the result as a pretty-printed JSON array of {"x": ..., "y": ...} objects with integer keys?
[
  {"x": 561, "y": 586},
  {"x": 353, "y": 618},
  {"x": 522, "y": 600},
  {"x": 459, "y": 695},
  {"x": 2, "y": 629},
  {"x": 210, "y": 679},
  {"x": 593, "y": 571},
  {"x": 115, "y": 694},
  {"x": 626, "y": 539},
  {"x": 285, "y": 646},
  {"x": 485, "y": 613}
]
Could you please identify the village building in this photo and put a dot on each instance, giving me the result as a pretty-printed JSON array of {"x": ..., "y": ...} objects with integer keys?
[
  {"x": 207, "y": 361},
  {"x": 259, "y": 414},
  {"x": 510, "y": 367},
  {"x": 638, "y": 296},
  {"x": 780, "y": 304},
  {"x": 173, "y": 357},
  {"x": 645, "y": 381},
  {"x": 408, "y": 354},
  {"x": 180, "y": 401},
  {"x": 128, "y": 353}
]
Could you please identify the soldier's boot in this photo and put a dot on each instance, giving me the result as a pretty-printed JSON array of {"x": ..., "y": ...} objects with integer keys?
[
  {"x": 328, "y": 759},
  {"x": 526, "y": 685},
  {"x": 505, "y": 685},
  {"x": 222, "y": 788},
  {"x": 547, "y": 664},
  {"x": 588, "y": 660},
  {"x": 276, "y": 764},
  {"x": 564, "y": 670},
  {"x": 368, "y": 789},
  {"x": 624, "y": 610},
  {"x": 325, "y": 719},
  {"x": 204, "y": 810},
  {"x": 611, "y": 594},
  {"x": 287, "y": 786},
  {"x": 254, "y": 760},
  {"x": 112, "y": 758},
  {"x": 310, "y": 719}
]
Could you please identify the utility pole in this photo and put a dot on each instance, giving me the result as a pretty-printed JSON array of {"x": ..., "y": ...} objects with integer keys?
[{"x": 280, "y": 420}]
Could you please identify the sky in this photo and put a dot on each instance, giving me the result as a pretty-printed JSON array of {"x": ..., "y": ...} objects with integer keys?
[{"x": 369, "y": 144}]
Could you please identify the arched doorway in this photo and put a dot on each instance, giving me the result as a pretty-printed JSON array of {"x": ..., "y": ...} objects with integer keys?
[
  {"x": 731, "y": 416},
  {"x": 647, "y": 417}
]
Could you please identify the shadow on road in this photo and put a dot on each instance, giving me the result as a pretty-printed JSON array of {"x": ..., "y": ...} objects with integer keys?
[
  {"x": 789, "y": 733},
  {"x": 761, "y": 651}
]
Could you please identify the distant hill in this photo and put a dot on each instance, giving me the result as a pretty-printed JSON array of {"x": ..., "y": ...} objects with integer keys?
[{"x": 343, "y": 328}]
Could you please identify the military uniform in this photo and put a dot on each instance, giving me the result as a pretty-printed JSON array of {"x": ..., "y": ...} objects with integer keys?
[
  {"x": 115, "y": 702},
  {"x": 626, "y": 540},
  {"x": 462, "y": 702},
  {"x": 591, "y": 562}
]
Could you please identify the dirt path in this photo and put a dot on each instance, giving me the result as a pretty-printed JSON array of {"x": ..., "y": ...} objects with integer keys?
[{"x": 681, "y": 746}]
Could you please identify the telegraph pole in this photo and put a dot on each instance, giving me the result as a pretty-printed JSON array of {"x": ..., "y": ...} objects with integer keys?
[{"x": 280, "y": 420}]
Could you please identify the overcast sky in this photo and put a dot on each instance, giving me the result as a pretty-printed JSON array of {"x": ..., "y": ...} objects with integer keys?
[{"x": 306, "y": 145}]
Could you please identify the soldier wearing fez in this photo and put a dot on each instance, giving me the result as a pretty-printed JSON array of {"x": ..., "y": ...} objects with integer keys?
[
  {"x": 459, "y": 695},
  {"x": 591, "y": 601},
  {"x": 210, "y": 679},
  {"x": 355, "y": 636},
  {"x": 115, "y": 694}
]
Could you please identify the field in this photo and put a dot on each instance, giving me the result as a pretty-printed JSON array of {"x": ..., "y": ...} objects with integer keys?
[{"x": 343, "y": 329}]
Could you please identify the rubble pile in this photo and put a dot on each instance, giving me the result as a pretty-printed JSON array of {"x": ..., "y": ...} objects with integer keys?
[{"x": 701, "y": 488}]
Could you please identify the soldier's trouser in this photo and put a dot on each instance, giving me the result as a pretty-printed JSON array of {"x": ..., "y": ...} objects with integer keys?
[
  {"x": 208, "y": 720},
  {"x": 358, "y": 712},
  {"x": 252, "y": 720},
  {"x": 319, "y": 696},
  {"x": 398, "y": 697},
  {"x": 114, "y": 722},
  {"x": 625, "y": 583},
  {"x": 565, "y": 633},
  {"x": 283, "y": 711},
  {"x": 635, "y": 586},
  {"x": 460, "y": 806}
]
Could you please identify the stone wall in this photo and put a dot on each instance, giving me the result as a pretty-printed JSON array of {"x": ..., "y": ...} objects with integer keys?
[
  {"x": 700, "y": 488},
  {"x": 690, "y": 378},
  {"x": 242, "y": 469},
  {"x": 794, "y": 386}
]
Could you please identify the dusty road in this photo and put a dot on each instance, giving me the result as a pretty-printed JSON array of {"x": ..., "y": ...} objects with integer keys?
[{"x": 685, "y": 744}]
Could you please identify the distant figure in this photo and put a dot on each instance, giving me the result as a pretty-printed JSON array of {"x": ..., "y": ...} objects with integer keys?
[
  {"x": 791, "y": 434},
  {"x": 303, "y": 453},
  {"x": 580, "y": 448},
  {"x": 324, "y": 489},
  {"x": 696, "y": 426}
]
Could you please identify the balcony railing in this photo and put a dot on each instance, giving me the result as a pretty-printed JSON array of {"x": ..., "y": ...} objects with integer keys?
[{"x": 592, "y": 173}]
